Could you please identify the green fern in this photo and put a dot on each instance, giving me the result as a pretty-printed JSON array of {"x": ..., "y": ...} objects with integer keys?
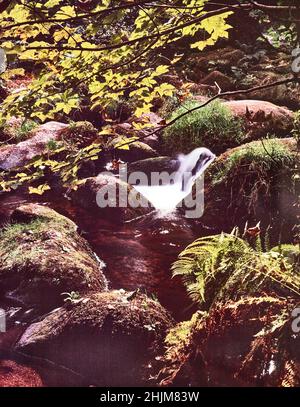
[{"x": 226, "y": 267}]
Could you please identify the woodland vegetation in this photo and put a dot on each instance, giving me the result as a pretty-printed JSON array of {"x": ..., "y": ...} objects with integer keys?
[{"x": 121, "y": 296}]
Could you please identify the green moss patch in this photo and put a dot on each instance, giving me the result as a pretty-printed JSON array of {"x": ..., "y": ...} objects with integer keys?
[
  {"x": 255, "y": 182},
  {"x": 213, "y": 126},
  {"x": 44, "y": 257}
]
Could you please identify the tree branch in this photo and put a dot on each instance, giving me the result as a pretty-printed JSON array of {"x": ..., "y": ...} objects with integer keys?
[{"x": 217, "y": 96}]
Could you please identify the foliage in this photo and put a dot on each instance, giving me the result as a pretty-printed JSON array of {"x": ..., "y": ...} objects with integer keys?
[
  {"x": 226, "y": 267},
  {"x": 94, "y": 55},
  {"x": 282, "y": 35},
  {"x": 102, "y": 53},
  {"x": 213, "y": 126}
]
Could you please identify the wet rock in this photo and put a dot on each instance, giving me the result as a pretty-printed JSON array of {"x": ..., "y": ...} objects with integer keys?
[
  {"x": 139, "y": 254},
  {"x": 43, "y": 257},
  {"x": 109, "y": 338},
  {"x": 109, "y": 198},
  {"x": 13, "y": 374},
  {"x": 154, "y": 165},
  {"x": 136, "y": 150}
]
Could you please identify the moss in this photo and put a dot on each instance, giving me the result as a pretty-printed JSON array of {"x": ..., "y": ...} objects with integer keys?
[
  {"x": 257, "y": 182},
  {"x": 45, "y": 256},
  {"x": 213, "y": 126},
  {"x": 40, "y": 244},
  {"x": 180, "y": 333},
  {"x": 262, "y": 156},
  {"x": 170, "y": 104},
  {"x": 112, "y": 331}
]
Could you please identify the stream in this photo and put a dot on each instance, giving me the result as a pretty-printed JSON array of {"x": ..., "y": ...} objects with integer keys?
[{"x": 137, "y": 255}]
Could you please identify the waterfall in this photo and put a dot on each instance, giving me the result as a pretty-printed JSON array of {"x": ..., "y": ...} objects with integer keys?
[{"x": 191, "y": 166}]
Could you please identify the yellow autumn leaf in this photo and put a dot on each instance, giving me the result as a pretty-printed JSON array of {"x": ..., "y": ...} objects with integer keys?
[{"x": 39, "y": 190}]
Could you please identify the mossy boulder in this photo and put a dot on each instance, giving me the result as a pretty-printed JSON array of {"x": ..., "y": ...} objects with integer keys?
[
  {"x": 255, "y": 182},
  {"x": 43, "y": 257},
  {"x": 109, "y": 338},
  {"x": 244, "y": 343},
  {"x": 260, "y": 119},
  {"x": 213, "y": 127},
  {"x": 32, "y": 141},
  {"x": 225, "y": 124},
  {"x": 108, "y": 197}
]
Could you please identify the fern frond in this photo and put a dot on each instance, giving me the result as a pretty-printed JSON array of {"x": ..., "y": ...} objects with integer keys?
[{"x": 225, "y": 266}]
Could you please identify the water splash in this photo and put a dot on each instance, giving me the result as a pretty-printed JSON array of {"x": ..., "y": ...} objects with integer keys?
[{"x": 165, "y": 198}]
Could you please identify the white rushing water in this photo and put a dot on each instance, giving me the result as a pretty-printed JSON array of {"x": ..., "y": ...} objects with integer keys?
[{"x": 166, "y": 197}]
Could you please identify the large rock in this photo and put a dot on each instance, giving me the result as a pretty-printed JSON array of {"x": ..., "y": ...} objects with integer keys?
[
  {"x": 18, "y": 155},
  {"x": 154, "y": 165},
  {"x": 109, "y": 338},
  {"x": 44, "y": 138},
  {"x": 109, "y": 198},
  {"x": 255, "y": 182},
  {"x": 221, "y": 125},
  {"x": 262, "y": 118},
  {"x": 233, "y": 344},
  {"x": 136, "y": 150},
  {"x": 43, "y": 256}
]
